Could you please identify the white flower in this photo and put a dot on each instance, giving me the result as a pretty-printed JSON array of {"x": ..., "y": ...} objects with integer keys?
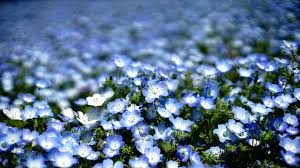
[
  {"x": 96, "y": 100},
  {"x": 84, "y": 119},
  {"x": 14, "y": 113}
]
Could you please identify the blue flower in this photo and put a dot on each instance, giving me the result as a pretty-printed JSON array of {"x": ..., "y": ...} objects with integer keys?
[
  {"x": 173, "y": 106},
  {"x": 141, "y": 162},
  {"x": 93, "y": 155},
  {"x": 121, "y": 61},
  {"x": 297, "y": 93},
  {"x": 268, "y": 102},
  {"x": 290, "y": 145},
  {"x": 172, "y": 164},
  {"x": 279, "y": 125},
  {"x": 292, "y": 130},
  {"x": 181, "y": 124},
  {"x": 13, "y": 136},
  {"x": 291, "y": 119},
  {"x": 273, "y": 88},
  {"x": 153, "y": 155},
  {"x": 35, "y": 162},
  {"x": 191, "y": 100},
  {"x": 129, "y": 119},
  {"x": 154, "y": 90},
  {"x": 245, "y": 72},
  {"x": 140, "y": 130},
  {"x": 117, "y": 106},
  {"x": 183, "y": 152},
  {"x": 235, "y": 127},
  {"x": 290, "y": 158},
  {"x": 29, "y": 113},
  {"x": 222, "y": 133},
  {"x": 84, "y": 150},
  {"x": 195, "y": 160},
  {"x": 49, "y": 139},
  {"x": 161, "y": 132},
  {"x": 260, "y": 109},
  {"x": 62, "y": 159},
  {"x": 114, "y": 142},
  {"x": 223, "y": 66},
  {"x": 241, "y": 114},
  {"x": 28, "y": 135},
  {"x": 207, "y": 103},
  {"x": 108, "y": 163}
]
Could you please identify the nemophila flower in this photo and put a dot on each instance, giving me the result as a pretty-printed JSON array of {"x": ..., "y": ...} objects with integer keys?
[
  {"x": 282, "y": 61},
  {"x": 172, "y": 164},
  {"x": 245, "y": 72},
  {"x": 143, "y": 143},
  {"x": 268, "y": 102},
  {"x": 84, "y": 150},
  {"x": 141, "y": 162},
  {"x": 42, "y": 84},
  {"x": 153, "y": 155},
  {"x": 273, "y": 88},
  {"x": 222, "y": 133},
  {"x": 215, "y": 151},
  {"x": 291, "y": 119},
  {"x": 96, "y": 100},
  {"x": 68, "y": 114},
  {"x": 268, "y": 66},
  {"x": 117, "y": 106},
  {"x": 190, "y": 99},
  {"x": 70, "y": 138},
  {"x": 173, "y": 106},
  {"x": 183, "y": 152},
  {"x": 195, "y": 161},
  {"x": 154, "y": 90},
  {"x": 207, "y": 103},
  {"x": 290, "y": 145},
  {"x": 107, "y": 125},
  {"x": 164, "y": 112},
  {"x": 172, "y": 84},
  {"x": 161, "y": 132},
  {"x": 130, "y": 119},
  {"x": 80, "y": 102},
  {"x": 35, "y": 162},
  {"x": 131, "y": 72},
  {"x": 140, "y": 130},
  {"x": 14, "y": 113},
  {"x": 223, "y": 66},
  {"x": 235, "y": 127},
  {"x": 27, "y": 97},
  {"x": 49, "y": 140},
  {"x": 109, "y": 153},
  {"x": 108, "y": 163},
  {"x": 288, "y": 47},
  {"x": 114, "y": 142},
  {"x": 93, "y": 155},
  {"x": 121, "y": 61},
  {"x": 68, "y": 147},
  {"x": 279, "y": 125},
  {"x": 28, "y": 135},
  {"x": 241, "y": 114},
  {"x": 134, "y": 108},
  {"x": 56, "y": 124},
  {"x": 13, "y": 136},
  {"x": 207, "y": 71},
  {"x": 85, "y": 119},
  {"x": 62, "y": 159},
  {"x": 297, "y": 93},
  {"x": 45, "y": 112},
  {"x": 260, "y": 109},
  {"x": 290, "y": 158},
  {"x": 283, "y": 101},
  {"x": 292, "y": 130},
  {"x": 181, "y": 124},
  {"x": 29, "y": 113}
]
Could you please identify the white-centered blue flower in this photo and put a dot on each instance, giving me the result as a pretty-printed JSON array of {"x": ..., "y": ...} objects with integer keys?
[
  {"x": 153, "y": 155},
  {"x": 154, "y": 90},
  {"x": 181, "y": 124}
]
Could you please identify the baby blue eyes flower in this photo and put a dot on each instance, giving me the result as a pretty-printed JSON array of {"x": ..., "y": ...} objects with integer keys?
[
  {"x": 290, "y": 145},
  {"x": 235, "y": 127},
  {"x": 141, "y": 162},
  {"x": 29, "y": 113},
  {"x": 84, "y": 150},
  {"x": 117, "y": 106},
  {"x": 181, "y": 124},
  {"x": 63, "y": 160},
  {"x": 114, "y": 142},
  {"x": 245, "y": 72},
  {"x": 222, "y": 133},
  {"x": 164, "y": 112},
  {"x": 121, "y": 61},
  {"x": 129, "y": 119},
  {"x": 279, "y": 125},
  {"x": 172, "y": 164},
  {"x": 290, "y": 158},
  {"x": 35, "y": 162},
  {"x": 223, "y": 66},
  {"x": 291, "y": 119},
  {"x": 153, "y": 155},
  {"x": 108, "y": 163},
  {"x": 162, "y": 133},
  {"x": 268, "y": 102},
  {"x": 207, "y": 103},
  {"x": 297, "y": 93},
  {"x": 131, "y": 72},
  {"x": 183, "y": 153},
  {"x": 28, "y": 135},
  {"x": 173, "y": 106},
  {"x": 190, "y": 99},
  {"x": 273, "y": 88},
  {"x": 284, "y": 100},
  {"x": 113, "y": 145},
  {"x": 260, "y": 109},
  {"x": 155, "y": 90},
  {"x": 241, "y": 114}
]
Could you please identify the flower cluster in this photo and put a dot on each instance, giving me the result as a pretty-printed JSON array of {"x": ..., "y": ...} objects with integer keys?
[{"x": 197, "y": 94}]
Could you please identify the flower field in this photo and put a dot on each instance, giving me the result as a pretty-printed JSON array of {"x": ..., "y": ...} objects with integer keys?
[{"x": 175, "y": 84}]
